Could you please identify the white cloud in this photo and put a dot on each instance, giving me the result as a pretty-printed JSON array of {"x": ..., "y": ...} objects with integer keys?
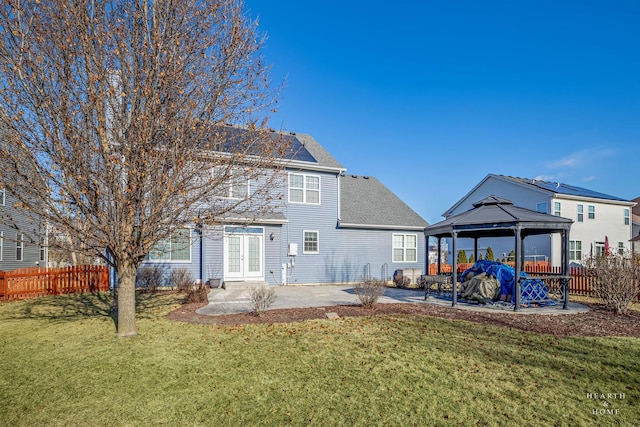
[{"x": 581, "y": 158}]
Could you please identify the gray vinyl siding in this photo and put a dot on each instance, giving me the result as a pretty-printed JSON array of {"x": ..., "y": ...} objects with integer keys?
[
  {"x": 323, "y": 218},
  {"x": 273, "y": 255},
  {"x": 21, "y": 222}
]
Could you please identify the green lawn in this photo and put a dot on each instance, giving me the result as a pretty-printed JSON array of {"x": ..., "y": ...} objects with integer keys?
[{"x": 61, "y": 364}]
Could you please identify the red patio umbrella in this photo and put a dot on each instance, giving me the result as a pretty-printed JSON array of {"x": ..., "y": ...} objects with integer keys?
[{"x": 606, "y": 245}]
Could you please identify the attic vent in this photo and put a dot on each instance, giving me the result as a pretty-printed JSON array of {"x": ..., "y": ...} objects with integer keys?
[
  {"x": 354, "y": 176},
  {"x": 292, "y": 133},
  {"x": 557, "y": 185},
  {"x": 365, "y": 177}
]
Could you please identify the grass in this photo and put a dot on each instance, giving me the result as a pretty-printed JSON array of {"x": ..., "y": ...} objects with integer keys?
[{"x": 63, "y": 365}]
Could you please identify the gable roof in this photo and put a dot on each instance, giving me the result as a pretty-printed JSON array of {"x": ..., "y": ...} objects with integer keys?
[
  {"x": 550, "y": 188},
  {"x": 561, "y": 188},
  {"x": 366, "y": 203}
]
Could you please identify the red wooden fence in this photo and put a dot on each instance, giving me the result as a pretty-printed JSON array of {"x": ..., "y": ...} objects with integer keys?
[
  {"x": 580, "y": 283},
  {"x": 37, "y": 282}
]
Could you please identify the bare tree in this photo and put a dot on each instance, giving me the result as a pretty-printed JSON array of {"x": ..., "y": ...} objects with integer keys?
[{"x": 129, "y": 118}]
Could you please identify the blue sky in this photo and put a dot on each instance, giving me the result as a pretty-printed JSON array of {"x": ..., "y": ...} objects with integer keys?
[{"x": 430, "y": 97}]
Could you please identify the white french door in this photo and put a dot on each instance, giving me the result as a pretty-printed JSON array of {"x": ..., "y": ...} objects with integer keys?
[{"x": 243, "y": 253}]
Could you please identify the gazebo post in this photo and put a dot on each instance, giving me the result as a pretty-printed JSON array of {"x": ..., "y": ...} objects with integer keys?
[
  {"x": 475, "y": 248},
  {"x": 439, "y": 255},
  {"x": 516, "y": 279},
  {"x": 454, "y": 273}
]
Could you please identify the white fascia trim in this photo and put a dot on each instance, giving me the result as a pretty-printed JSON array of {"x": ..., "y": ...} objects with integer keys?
[
  {"x": 381, "y": 227},
  {"x": 594, "y": 200}
]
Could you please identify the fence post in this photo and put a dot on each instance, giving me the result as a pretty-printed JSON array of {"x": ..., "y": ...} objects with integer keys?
[{"x": 3, "y": 286}]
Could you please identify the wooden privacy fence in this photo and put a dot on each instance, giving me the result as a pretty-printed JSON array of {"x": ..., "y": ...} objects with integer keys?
[
  {"x": 37, "y": 282},
  {"x": 581, "y": 282}
]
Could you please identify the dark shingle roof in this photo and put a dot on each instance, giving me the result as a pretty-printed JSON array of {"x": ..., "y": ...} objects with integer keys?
[
  {"x": 495, "y": 216},
  {"x": 560, "y": 188},
  {"x": 366, "y": 203}
]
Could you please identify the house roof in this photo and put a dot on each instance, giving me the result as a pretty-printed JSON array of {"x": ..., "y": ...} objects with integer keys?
[
  {"x": 495, "y": 216},
  {"x": 366, "y": 203},
  {"x": 550, "y": 188},
  {"x": 564, "y": 189}
]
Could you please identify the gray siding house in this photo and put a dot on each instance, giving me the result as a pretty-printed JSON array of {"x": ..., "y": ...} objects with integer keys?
[
  {"x": 22, "y": 241},
  {"x": 325, "y": 227}
]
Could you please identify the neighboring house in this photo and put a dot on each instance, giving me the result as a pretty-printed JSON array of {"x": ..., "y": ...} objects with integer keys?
[
  {"x": 635, "y": 221},
  {"x": 22, "y": 240},
  {"x": 598, "y": 218},
  {"x": 324, "y": 227}
]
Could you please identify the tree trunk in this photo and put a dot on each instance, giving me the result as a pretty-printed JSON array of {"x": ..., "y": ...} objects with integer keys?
[{"x": 126, "y": 300}]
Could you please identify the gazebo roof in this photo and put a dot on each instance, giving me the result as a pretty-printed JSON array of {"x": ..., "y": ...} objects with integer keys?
[{"x": 495, "y": 216}]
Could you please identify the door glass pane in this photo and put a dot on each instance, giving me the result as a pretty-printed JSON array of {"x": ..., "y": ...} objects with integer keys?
[
  {"x": 234, "y": 254},
  {"x": 254, "y": 254}
]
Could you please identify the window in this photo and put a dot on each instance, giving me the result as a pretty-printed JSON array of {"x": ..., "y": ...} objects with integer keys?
[
  {"x": 304, "y": 189},
  {"x": 43, "y": 250},
  {"x": 620, "y": 248},
  {"x": 626, "y": 217},
  {"x": 1, "y": 244},
  {"x": 556, "y": 208},
  {"x": 580, "y": 213},
  {"x": 19, "y": 247},
  {"x": 405, "y": 248},
  {"x": 310, "y": 245},
  {"x": 542, "y": 207},
  {"x": 591, "y": 212},
  {"x": 176, "y": 248},
  {"x": 1, "y": 196},
  {"x": 575, "y": 250},
  {"x": 236, "y": 186}
]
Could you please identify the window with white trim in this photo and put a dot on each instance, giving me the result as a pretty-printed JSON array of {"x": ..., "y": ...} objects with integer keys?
[
  {"x": 575, "y": 250},
  {"x": 311, "y": 242},
  {"x": 580, "y": 213},
  {"x": 235, "y": 186},
  {"x": 405, "y": 248},
  {"x": 19, "y": 247},
  {"x": 304, "y": 188},
  {"x": 175, "y": 248},
  {"x": 542, "y": 207},
  {"x": 620, "y": 248},
  {"x": 591, "y": 212},
  {"x": 1, "y": 244},
  {"x": 43, "y": 250},
  {"x": 626, "y": 217},
  {"x": 556, "y": 208},
  {"x": 1, "y": 196}
]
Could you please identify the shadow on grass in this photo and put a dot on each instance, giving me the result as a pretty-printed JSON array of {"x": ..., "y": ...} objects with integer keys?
[{"x": 73, "y": 307}]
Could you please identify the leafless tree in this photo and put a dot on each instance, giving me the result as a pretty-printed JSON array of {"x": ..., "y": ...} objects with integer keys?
[{"x": 127, "y": 119}]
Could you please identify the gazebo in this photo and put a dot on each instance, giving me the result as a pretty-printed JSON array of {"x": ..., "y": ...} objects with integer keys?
[{"x": 498, "y": 217}]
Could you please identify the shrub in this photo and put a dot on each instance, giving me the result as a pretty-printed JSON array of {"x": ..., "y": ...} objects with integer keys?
[
  {"x": 182, "y": 280},
  {"x": 149, "y": 278},
  {"x": 262, "y": 298},
  {"x": 369, "y": 291},
  {"x": 617, "y": 281},
  {"x": 197, "y": 293}
]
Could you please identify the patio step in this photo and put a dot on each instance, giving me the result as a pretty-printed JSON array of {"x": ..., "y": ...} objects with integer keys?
[{"x": 244, "y": 285}]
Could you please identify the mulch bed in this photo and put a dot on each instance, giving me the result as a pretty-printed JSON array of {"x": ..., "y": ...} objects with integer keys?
[{"x": 595, "y": 322}]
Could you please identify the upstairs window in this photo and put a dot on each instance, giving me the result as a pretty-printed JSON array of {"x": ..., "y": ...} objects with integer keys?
[
  {"x": 580, "y": 213},
  {"x": 235, "y": 186},
  {"x": 304, "y": 188},
  {"x": 591, "y": 212},
  {"x": 626, "y": 217},
  {"x": 405, "y": 248},
  {"x": 556, "y": 208}
]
